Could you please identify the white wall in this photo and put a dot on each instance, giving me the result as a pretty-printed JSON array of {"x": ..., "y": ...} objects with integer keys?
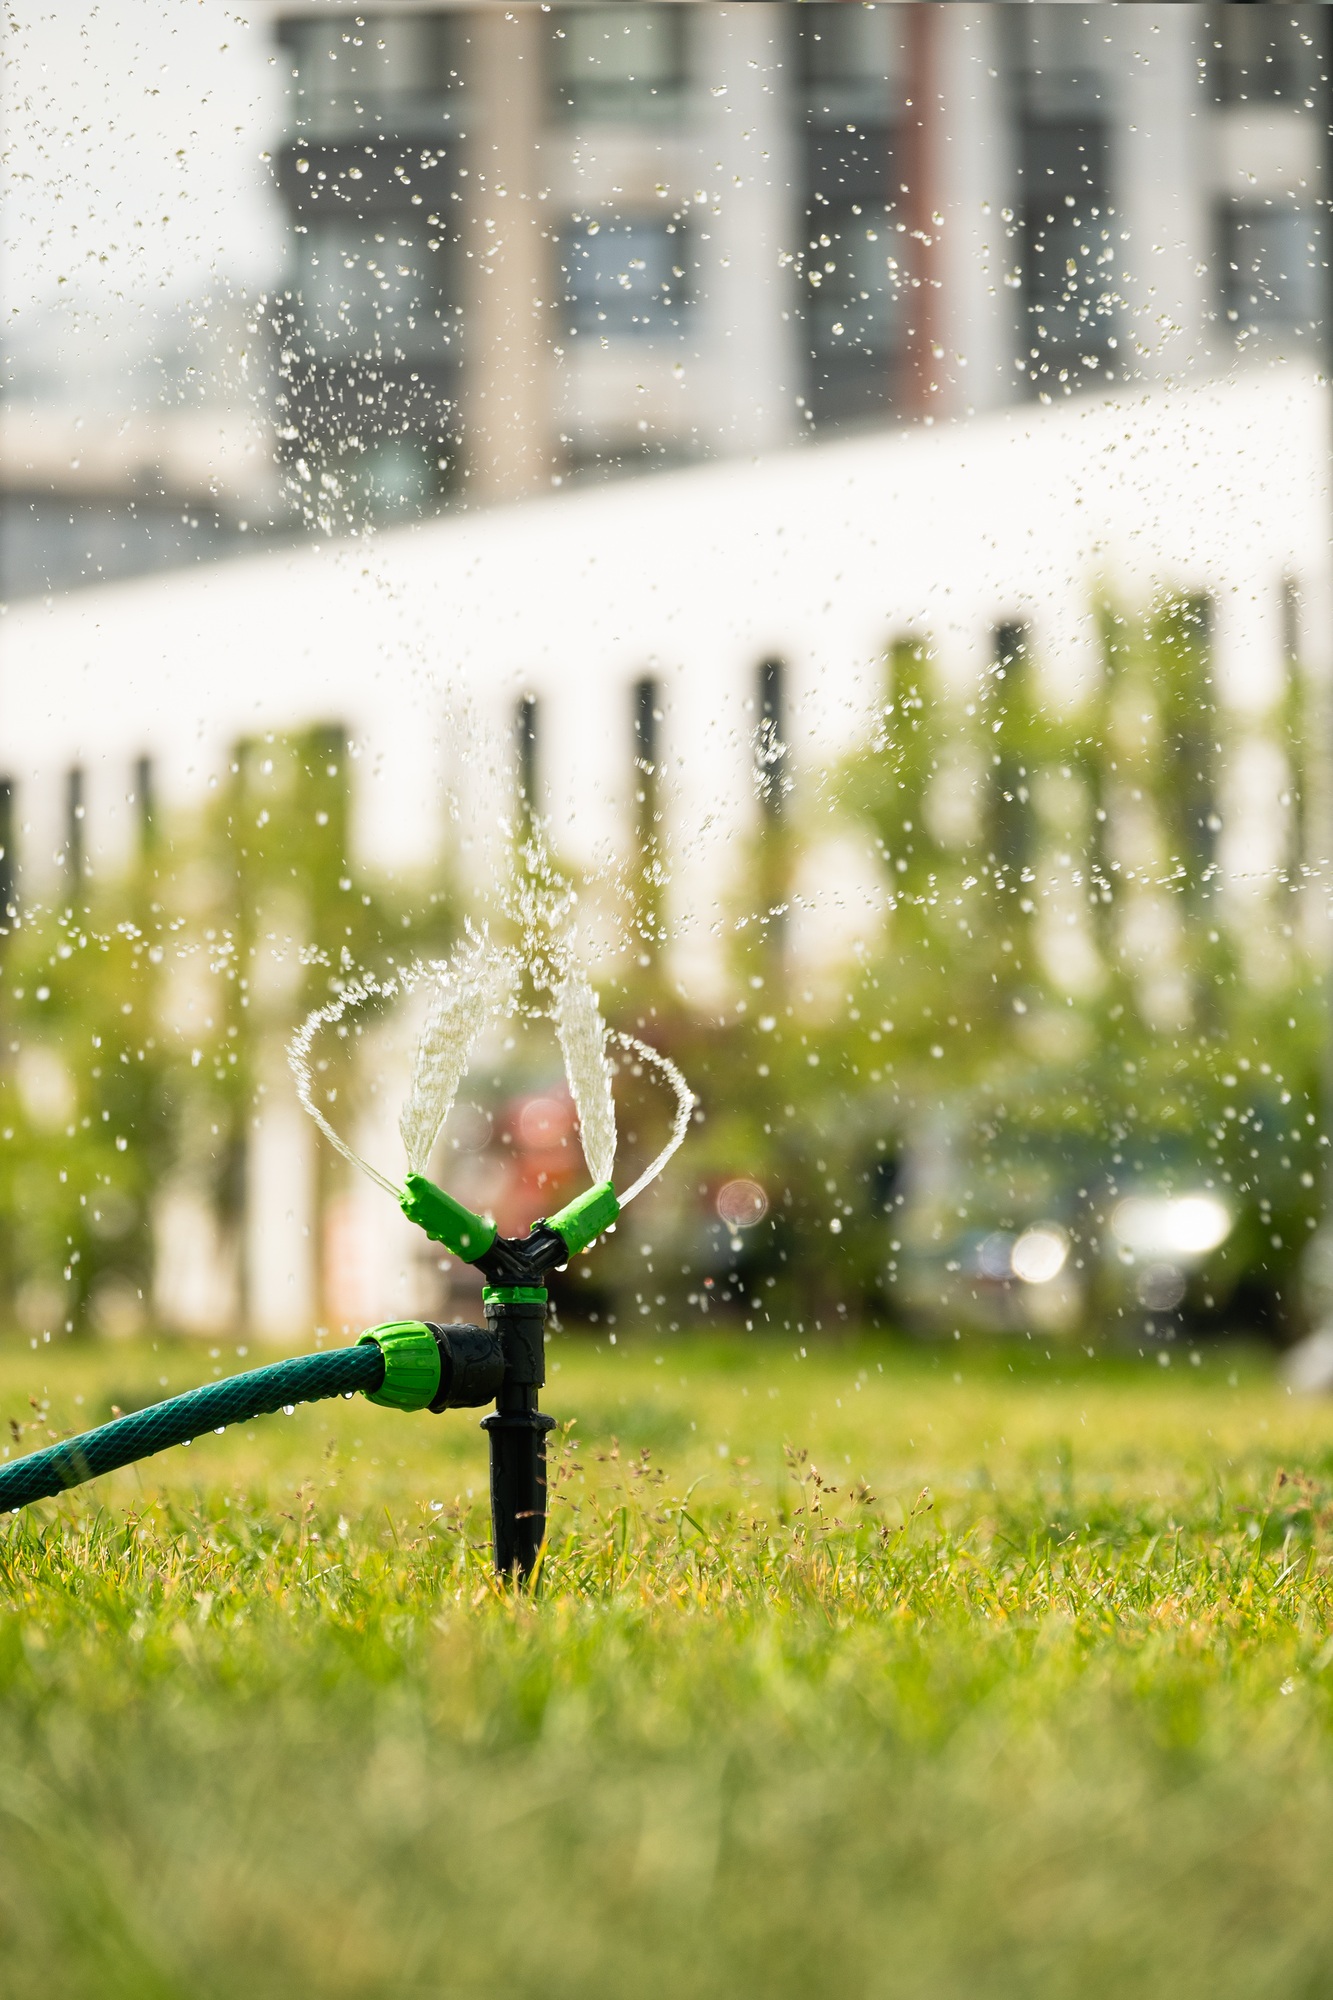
[
  {"x": 748, "y": 160},
  {"x": 978, "y": 176},
  {"x": 422, "y": 638}
]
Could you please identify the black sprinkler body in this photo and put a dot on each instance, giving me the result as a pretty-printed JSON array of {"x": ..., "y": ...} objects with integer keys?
[
  {"x": 505, "y": 1362},
  {"x": 507, "y": 1358},
  {"x": 517, "y": 1431}
]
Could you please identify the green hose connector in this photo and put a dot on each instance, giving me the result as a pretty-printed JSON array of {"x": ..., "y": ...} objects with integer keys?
[
  {"x": 445, "y": 1220},
  {"x": 514, "y": 1295},
  {"x": 411, "y": 1364},
  {"x": 584, "y": 1219}
]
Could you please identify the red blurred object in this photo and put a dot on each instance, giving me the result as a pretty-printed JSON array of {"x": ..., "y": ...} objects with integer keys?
[{"x": 543, "y": 1161}]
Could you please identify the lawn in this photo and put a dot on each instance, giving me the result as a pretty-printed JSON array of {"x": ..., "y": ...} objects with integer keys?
[{"x": 870, "y": 1672}]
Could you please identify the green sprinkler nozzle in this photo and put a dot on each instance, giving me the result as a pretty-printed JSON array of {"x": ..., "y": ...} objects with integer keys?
[
  {"x": 445, "y": 1220},
  {"x": 584, "y": 1219},
  {"x": 509, "y": 1260}
]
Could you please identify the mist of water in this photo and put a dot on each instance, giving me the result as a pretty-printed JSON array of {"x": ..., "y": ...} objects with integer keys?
[
  {"x": 477, "y": 986},
  {"x": 685, "y": 1102},
  {"x": 582, "y": 1034},
  {"x": 298, "y": 1057},
  {"x": 480, "y": 984}
]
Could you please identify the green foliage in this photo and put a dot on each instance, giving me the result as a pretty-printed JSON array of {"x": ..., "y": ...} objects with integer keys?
[
  {"x": 944, "y": 1678},
  {"x": 143, "y": 1019},
  {"x": 85, "y": 1099},
  {"x": 1069, "y": 1001}
]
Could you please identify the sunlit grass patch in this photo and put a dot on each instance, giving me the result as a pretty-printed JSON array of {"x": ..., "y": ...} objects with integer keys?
[{"x": 903, "y": 1673}]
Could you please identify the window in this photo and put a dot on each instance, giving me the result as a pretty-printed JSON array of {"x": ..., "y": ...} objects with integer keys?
[
  {"x": 624, "y": 277},
  {"x": 854, "y": 315},
  {"x": 371, "y": 351},
  {"x": 646, "y": 697},
  {"x": 1012, "y": 831},
  {"x": 620, "y": 63},
  {"x": 851, "y": 69},
  {"x": 8, "y": 858},
  {"x": 373, "y": 361},
  {"x": 1057, "y": 66},
  {"x": 368, "y": 290},
  {"x": 393, "y": 75},
  {"x": 525, "y": 754},
  {"x": 1068, "y": 305},
  {"x": 850, "y": 58},
  {"x": 770, "y": 753},
  {"x": 1271, "y": 274},
  {"x": 1068, "y": 325},
  {"x": 1263, "y": 55},
  {"x": 75, "y": 866}
]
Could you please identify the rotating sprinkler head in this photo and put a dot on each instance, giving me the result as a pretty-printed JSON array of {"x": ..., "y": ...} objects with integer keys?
[
  {"x": 507, "y": 1358},
  {"x": 418, "y": 1364}
]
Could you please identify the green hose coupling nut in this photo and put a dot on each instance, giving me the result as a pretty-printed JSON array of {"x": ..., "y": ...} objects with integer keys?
[
  {"x": 411, "y": 1364},
  {"x": 445, "y": 1220},
  {"x": 584, "y": 1219}
]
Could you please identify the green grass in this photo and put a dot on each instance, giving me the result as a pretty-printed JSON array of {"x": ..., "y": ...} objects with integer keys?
[{"x": 1018, "y": 1682}]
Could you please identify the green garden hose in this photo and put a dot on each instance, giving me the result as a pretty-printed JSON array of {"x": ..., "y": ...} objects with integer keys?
[{"x": 397, "y": 1365}]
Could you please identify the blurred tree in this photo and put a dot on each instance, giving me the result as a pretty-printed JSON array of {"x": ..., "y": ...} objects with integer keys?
[
  {"x": 1087, "y": 975},
  {"x": 145, "y": 1019},
  {"x": 293, "y": 920},
  {"x": 85, "y": 1087},
  {"x": 1112, "y": 998}
]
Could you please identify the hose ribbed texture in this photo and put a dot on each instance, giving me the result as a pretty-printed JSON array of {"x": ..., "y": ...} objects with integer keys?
[{"x": 258, "y": 1393}]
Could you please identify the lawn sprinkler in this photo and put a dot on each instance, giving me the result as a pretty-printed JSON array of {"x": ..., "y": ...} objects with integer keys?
[{"x": 417, "y": 1364}]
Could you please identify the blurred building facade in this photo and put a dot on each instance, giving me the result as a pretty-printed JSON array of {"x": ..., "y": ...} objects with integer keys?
[
  {"x": 530, "y": 242},
  {"x": 147, "y": 449}
]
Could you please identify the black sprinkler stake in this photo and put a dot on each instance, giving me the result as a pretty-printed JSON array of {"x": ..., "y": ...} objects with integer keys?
[
  {"x": 517, "y": 1429},
  {"x": 505, "y": 1359}
]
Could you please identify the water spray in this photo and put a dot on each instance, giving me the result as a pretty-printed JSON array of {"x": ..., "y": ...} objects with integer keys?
[{"x": 413, "y": 1365}]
